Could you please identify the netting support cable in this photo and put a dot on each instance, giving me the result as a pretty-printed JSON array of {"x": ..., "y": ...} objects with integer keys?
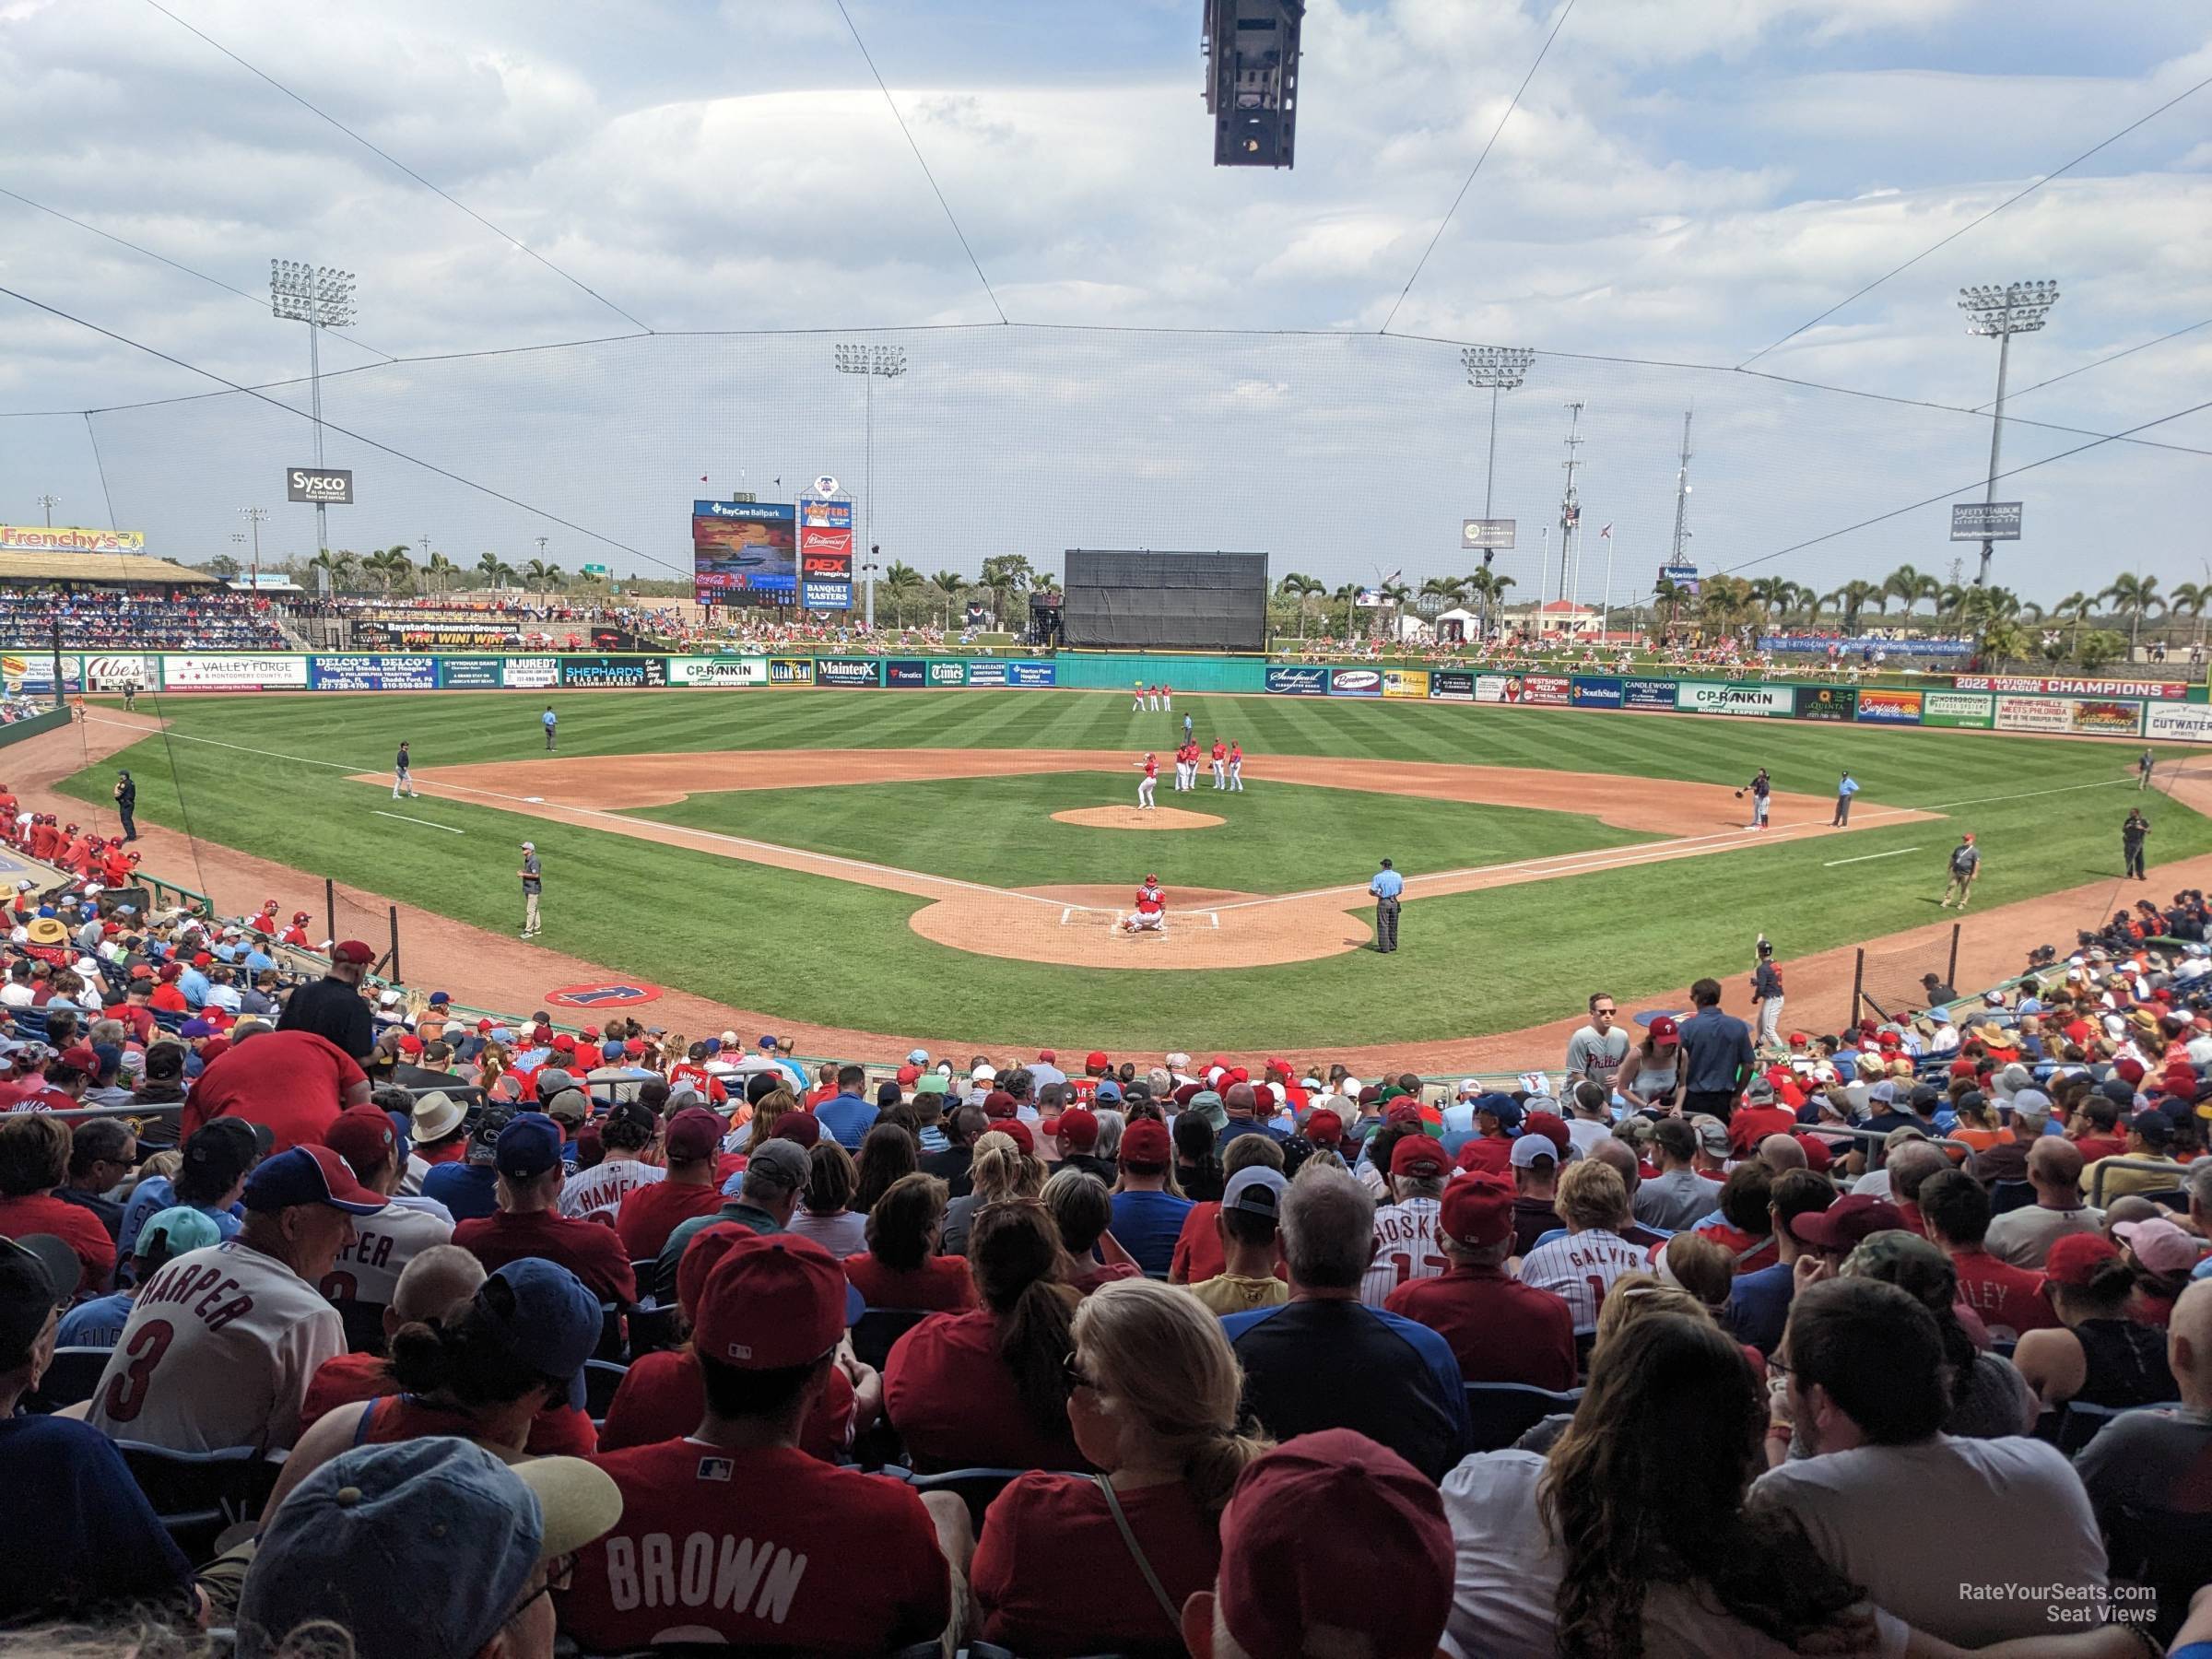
[
  {"x": 100, "y": 466},
  {"x": 1422, "y": 263},
  {"x": 387, "y": 156},
  {"x": 1978, "y": 218},
  {"x": 905, "y": 132}
]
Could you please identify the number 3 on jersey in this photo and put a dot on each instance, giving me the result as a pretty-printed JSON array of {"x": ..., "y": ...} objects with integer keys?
[{"x": 127, "y": 1390}]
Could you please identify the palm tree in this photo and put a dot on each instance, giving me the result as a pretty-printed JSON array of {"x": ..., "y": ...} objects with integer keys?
[
  {"x": 1855, "y": 595},
  {"x": 1950, "y": 601},
  {"x": 2003, "y": 643},
  {"x": 1910, "y": 586},
  {"x": 2073, "y": 609},
  {"x": 1486, "y": 588},
  {"x": 340, "y": 564},
  {"x": 1438, "y": 594},
  {"x": 902, "y": 583},
  {"x": 391, "y": 567},
  {"x": 1006, "y": 575},
  {"x": 1349, "y": 594},
  {"x": 540, "y": 575},
  {"x": 950, "y": 585},
  {"x": 1300, "y": 587},
  {"x": 2189, "y": 599},
  {"x": 491, "y": 567},
  {"x": 437, "y": 570},
  {"x": 2134, "y": 596}
]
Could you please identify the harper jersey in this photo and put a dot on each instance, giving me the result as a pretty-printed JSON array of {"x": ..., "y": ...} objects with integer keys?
[
  {"x": 219, "y": 1352},
  {"x": 367, "y": 1270},
  {"x": 1581, "y": 1269},
  {"x": 1405, "y": 1248}
]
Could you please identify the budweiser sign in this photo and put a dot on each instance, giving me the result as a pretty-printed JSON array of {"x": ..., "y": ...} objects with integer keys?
[{"x": 812, "y": 540}]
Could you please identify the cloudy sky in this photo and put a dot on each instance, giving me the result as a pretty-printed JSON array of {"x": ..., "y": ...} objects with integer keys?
[{"x": 1189, "y": 357}]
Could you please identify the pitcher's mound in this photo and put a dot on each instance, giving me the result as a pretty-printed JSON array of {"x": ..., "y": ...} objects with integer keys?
[{"x": 1132, "y": 817}]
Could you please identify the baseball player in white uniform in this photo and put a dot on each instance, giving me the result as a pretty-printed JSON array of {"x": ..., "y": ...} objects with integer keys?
[
  {"x": 1151, "y": 912},
  {"x": 1137, "y": 706},
  {"x": 1405, "y": 1240},
  {"x": 1220, "y": 762},
  {"x": 1144, "y": 784},
  {"x": 222, "y": 1342}
]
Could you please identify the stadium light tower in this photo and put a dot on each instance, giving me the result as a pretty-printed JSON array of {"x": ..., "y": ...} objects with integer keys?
[
  {"x": 2016, "y": 308},
  {"x": 320, "y": 297},
  {"x": 253, "y": 516},
  {"x": 50, "y": 502},
  {"x": 1499, "y": 368},
  {"x": 869, "y": 363}
]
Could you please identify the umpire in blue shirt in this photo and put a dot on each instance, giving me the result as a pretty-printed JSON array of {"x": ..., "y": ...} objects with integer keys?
[{"x": 1386, "y": 886}]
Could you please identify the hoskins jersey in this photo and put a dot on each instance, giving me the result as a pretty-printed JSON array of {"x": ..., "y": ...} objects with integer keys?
[{"x": 1405, "y": 1248}]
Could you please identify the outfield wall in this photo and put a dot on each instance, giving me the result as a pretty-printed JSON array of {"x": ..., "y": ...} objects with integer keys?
[{"x": 2165, "y": 711}]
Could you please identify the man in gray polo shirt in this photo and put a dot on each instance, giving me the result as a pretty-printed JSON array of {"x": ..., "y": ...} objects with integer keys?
[{"x": 774, "y": 1177}]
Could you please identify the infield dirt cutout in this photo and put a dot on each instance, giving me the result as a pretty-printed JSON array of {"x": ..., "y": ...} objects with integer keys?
[
  {"x": 1137, "y": 817},
  {"x": 1074, "y": 924}
]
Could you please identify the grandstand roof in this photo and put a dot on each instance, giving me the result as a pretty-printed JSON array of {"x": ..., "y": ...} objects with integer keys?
[{"x": 134, "y": 569}]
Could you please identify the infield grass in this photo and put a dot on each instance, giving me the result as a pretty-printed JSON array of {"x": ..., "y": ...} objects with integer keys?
[{"x": 268, "y": 775}]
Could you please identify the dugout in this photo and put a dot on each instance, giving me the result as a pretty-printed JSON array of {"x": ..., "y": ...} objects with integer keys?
[{"x": 1122, "y": 600}]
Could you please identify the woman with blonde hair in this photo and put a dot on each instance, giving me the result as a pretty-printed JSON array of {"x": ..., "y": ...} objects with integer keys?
[
  {"x": 767, "y": 1110},
  {"x": 1073, "y": 1563},
  {"x": 1000, "y": 1170}
]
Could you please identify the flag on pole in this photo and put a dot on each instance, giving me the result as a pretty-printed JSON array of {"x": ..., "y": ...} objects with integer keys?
[{"x": 1607, "y": 534}]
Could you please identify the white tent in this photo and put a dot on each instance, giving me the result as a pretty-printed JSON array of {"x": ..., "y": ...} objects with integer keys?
[{"x": 1457, "y": 624}]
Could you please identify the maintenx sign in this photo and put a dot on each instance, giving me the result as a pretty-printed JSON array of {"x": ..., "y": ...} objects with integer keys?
[{"x": 1713, "y": 697}]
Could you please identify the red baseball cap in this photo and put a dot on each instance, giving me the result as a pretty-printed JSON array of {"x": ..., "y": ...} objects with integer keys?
[
  {"x": 79, "y": 1057},
  {"x": 1048, "y": 1055},
  {"x": 1477, "y": 1211},
  {"x": 1324, "y": 1127},
  {"x": 998, "y": 1104},
  {"x": 693, "y": 1133},
  {"x": 1079, "y": 1126},
  {"x": 770, "y": 1304},
  {"x": 1664, "y": 1030},
  {"x": 410, "y": 1044},
  {"x": 1145, "y": 1145},
  {"x": 699, "y": 1259},
  {"x": 1094, "y": 1061},
  {"x": 2074, "y": 1260},
  {"x": 564, "y": 1043},
  {"x": 1847, "y": 1222},
  {"x": 1551, "y": 1126},
  {"x": 909, "y": 1076},
  {"x": 1418, "y": 1157},
  {"x": 352, "y": 950},
  {"x": 1274, "y": 1586},
  {"x": 363, "y": 1136}
]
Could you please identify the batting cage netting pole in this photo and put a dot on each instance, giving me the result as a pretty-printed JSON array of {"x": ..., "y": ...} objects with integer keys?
[
  {"x": 330, "y": 907},
  {"x": 396, "y": 977},
  {"x": 1893, "y": 984}
]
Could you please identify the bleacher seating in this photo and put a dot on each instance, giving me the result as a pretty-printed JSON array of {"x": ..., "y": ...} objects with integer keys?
[{"x": 138, "y": 618}]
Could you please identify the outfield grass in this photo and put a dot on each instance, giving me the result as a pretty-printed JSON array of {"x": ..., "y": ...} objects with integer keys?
[
  {"x": 267, "y": 774},
  {"x": 1275, "y": 837}
]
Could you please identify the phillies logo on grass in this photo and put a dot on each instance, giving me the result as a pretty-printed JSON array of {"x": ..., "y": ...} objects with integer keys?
[{"x": 602, "y": 997}]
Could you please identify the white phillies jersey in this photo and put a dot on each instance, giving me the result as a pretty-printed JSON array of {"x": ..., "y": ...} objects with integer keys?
[
  {"x": 218, "y": 1352},
  {"x": 595, "y": 1194},
  {"x": 367, "y": 1270},
  {"x": 1405, "y": 1248},
  {"x": 1581, "y": 1269}
]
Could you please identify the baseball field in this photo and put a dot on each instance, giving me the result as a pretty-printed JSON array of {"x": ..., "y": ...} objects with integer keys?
[{"x": 955, "y": 862}]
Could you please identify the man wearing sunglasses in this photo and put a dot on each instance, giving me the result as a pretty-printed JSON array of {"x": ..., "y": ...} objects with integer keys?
[{"x": 1597, "y": 1049}]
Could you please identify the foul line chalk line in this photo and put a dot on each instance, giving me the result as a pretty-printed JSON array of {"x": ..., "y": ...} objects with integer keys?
[
  {"x": 1863, "y": 857},
  {"x": 425, "y": 823}
]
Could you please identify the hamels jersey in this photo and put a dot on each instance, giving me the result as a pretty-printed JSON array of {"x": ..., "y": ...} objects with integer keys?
[
  {"x": 1405, "y": 1248},
  {"x": 219, "y": 1352},
  {"x": 1581, "y": 1269}
]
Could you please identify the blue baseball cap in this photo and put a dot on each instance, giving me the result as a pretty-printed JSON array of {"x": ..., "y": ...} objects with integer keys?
[
  {"x": 1110, "y": 1091},
  {"x": 453, "y": 1534},
  {"x": 1504, "y": 1108},
  {"x": 309, "y": 1175},
  {"x": 439, "y": 998},
  {"x": 528, "y": 1147},
  {"x": 548, "y": 1318}
]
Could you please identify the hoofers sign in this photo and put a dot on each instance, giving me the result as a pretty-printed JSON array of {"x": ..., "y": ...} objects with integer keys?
[{"x": 1716, "y": 696}]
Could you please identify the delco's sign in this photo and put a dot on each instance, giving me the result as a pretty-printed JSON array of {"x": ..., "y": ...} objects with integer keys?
[{"x": 333, "y": 486}]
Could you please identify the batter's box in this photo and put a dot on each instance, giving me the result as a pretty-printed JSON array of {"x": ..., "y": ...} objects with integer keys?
[{"x": 1094, "y": 916}]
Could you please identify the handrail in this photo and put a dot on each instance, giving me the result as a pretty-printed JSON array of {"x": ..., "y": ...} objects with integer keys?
[{"x": 2163, "y": 1166}]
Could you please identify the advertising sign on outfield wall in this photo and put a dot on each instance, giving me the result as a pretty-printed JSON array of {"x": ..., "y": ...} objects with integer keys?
[
  {"x": 1298, "y": 682},
  {"x": 2170, "y": 723},
  {"x": 2107, "y": 717},
  {"x": 1550, "y": 690},
  {"x": 717, "y": 671},
  {"x": 1977, "y": 710},
  {"x": 1827, "y": 702},
  {"x": 469, "y": 673},
  {"x": 905, "y": 673},
  {"x": 1355, "y": 682},
  {"x": 845, "y": 671},
  {"x": 1713, "y": 697},
  {"x": 30, "y": 674},
  {"x": 615, "y": 672},
  {"x": 531, "y": 673},
  {"x": 1032, "y": 675},
  {"x": 2034, "y": 714},
  {"x": 948, "y": 673},
  {"x": 2168, "y": 690},
  {"x": 1596, "y": 691},
  {"x": 241, "y": 673},
  {"x": 1405, "y": 682},
  {"x": 373, "y": 672},
  {"x": 1878, "y": 706},
  {"x": 1491, "y": 688},
  {"x": 791, "y": 671},
  {"x": 113, "y": 672},
  {"x": 1647, "y": 694},
  {"x": 1449, "y": 685}
]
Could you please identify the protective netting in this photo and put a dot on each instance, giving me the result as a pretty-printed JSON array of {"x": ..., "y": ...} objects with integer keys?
[
  {"x": 1890, "y": 980},
  {"x": 1350, "y": 457}
]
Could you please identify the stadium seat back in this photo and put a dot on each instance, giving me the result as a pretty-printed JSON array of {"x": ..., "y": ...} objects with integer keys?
[
  {"x": 70, "y": 1379},
  {"x": 878, "y": 1328},
  {"x": 1500, "y": 1413},
  {"x": 197, "y": 1495}
]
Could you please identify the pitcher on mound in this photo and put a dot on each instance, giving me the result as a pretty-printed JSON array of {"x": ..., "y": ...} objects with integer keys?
[
  {"x": 1151, "y": 912},
  {"x": 1144, "y": 784}
]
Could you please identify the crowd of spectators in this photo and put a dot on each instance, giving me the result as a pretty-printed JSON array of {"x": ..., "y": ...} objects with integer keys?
[
  {"x": 138, "y": 618},
  {"x": 1893, "y": 1339}
]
